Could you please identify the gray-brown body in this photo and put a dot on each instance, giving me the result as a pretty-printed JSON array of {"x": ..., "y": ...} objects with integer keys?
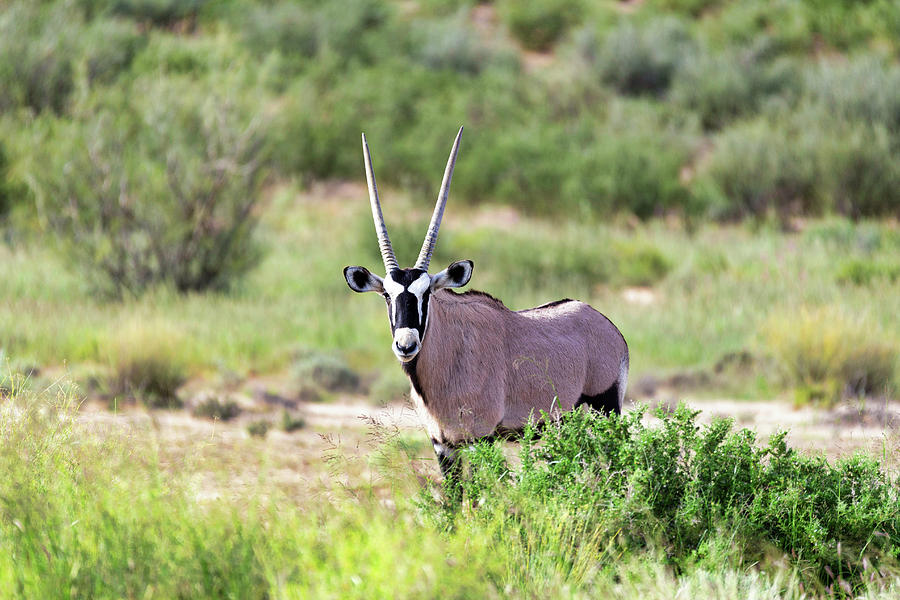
[{"x": 485, "y": 369}]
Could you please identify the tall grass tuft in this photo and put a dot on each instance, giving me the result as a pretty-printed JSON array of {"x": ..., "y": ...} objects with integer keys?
[
  {"x": 148, "y": 362},
  {"x": 827, "y": 353}
]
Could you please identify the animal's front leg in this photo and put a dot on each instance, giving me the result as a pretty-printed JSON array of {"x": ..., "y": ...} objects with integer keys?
[{"x": 451, "y": 469}]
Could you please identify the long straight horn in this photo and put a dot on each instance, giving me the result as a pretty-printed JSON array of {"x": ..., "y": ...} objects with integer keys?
[
  {"x": 384, "y": 242},
  {"x": 432, "y": 235}
]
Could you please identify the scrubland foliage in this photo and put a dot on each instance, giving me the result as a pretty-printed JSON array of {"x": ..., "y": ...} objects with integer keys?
[
  {"x": 608, "y": 507},
  {"x": 704, "y": 495}
]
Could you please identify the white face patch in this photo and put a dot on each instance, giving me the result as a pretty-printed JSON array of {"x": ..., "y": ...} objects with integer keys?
[
  {"x": 418, "y": 289},
  {"x": 393, "y": 290}
]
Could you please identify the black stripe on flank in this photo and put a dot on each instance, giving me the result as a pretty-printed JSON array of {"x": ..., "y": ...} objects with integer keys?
[
  {"x": 605, "y": 402},
  {"x": 410, "y": 369}
]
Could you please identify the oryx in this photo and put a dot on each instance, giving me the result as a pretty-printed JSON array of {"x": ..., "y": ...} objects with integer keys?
[{"x": 476, "y": 367}]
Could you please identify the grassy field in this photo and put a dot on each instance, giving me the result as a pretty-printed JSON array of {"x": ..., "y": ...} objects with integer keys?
[
  {"x": 686, "y": 302},
  {"x": 183, "y": 368},
  {"x": 101, "y": 506}
]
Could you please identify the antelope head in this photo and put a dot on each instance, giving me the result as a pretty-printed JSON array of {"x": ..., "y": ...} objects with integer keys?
[{"x": 407, "y": 291}]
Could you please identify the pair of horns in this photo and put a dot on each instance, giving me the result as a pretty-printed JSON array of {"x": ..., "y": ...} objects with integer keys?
[{"x": 384, "y": 242}]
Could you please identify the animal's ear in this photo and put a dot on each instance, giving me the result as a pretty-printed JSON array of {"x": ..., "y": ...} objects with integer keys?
[
  {"x": 360, "y": 280},
  {"x": 456, "y": 275}
]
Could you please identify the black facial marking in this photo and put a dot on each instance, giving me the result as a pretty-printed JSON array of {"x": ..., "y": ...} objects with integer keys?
[{"x": 406, "y": 305}]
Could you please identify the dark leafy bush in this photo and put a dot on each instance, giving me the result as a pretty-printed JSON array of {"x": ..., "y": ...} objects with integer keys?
[
  {"x": 645, "y": 60},
  {"x": 37, "y": 48},
  {"x": 110, "y": 47},
  {"x": 689, "y": 488},
  {"x": 161, "y": 13},
  {"x": 539, "y": 24},
  {"x": 290, "y": 423},
  {"x": 157, "y": 186},
  {"x": 214, "y": 408},
  {"x": 259, "y": 428}
]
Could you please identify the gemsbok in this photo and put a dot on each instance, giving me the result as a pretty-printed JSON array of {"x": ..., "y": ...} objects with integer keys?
[{"x": 478, "y": 369}]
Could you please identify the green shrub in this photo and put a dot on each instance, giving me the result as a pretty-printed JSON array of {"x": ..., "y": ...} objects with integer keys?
[
  {"x": 147, "y": 360},
  {"x": 110, "y": 47},
  {"x": 644, "y": 61},
  {"x": 157, "y": 185},
  {"x": 259, "y": 428},
  {"x": 453, "y": 44},
  {"x": 630, "y": 172},
  {"x": 290, "y": 423},
  {"x": 706, "y": 495},
  {"x": 37, "y": 48},
  {"x": 328, "y": 372},
  {"x": 539, "y": 24},
  {"x": 758, "y": 169},
  {"x": 859, "y": 167},
  {"x": 863, "y": 88},
  {"x": 288, "y": 28},
  {"x": 867, "y": 271},
  {"x": 825, "y": 349},
  {"x": 214, "y": 408},
  {"x": 723, "y": 86}
]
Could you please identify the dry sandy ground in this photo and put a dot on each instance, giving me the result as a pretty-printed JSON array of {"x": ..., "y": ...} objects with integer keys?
[{"x": 342, "y": 445}]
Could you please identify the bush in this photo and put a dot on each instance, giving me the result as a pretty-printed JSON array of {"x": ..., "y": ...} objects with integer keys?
[
  {"x": 829, "y": 351},
  {"x": 259, "y": 428},
  {"x": 863, "y": 88},
  {"x": 290, "y": 423},
  {"x": 147, "y": 360},
  {"x": 157, "y": 186},
  {"x": 757, "y": 169},
  {"x": 644, "y": 61},
  {"x": 287, "y": 28},
  {"x": 702, "y": 495},
  {"x": 327, "y": 372},
  {"x": 539, "y": 24},
  {"x": 858, "y": 166},
  {"x": 37, "y": 49},
  {"x": 723, "y": 86},
  {"x": 109, "y": 48},
  {"x": 453, "y": 44},
  {"x": 213, "y": 408},
  {"x": 161, "y": 13}
]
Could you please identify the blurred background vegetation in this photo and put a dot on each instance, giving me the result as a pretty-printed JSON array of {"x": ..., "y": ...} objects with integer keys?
[{"x": 719, "y": 177}]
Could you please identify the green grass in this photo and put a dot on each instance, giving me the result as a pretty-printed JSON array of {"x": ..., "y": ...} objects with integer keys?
[
  {"x": 601, "y": 508},
  {"x": 712, "y": 291}
]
